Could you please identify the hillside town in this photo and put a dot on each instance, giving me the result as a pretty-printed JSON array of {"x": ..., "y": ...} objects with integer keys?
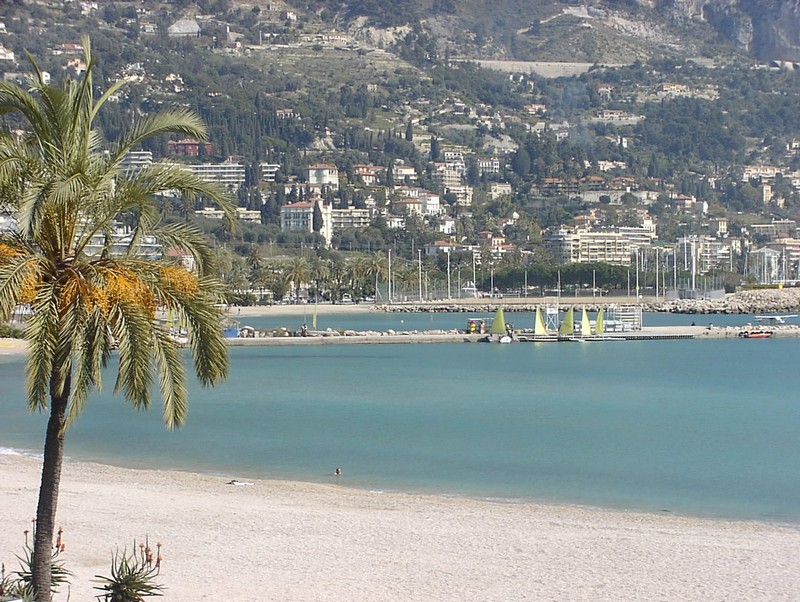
[{"x": 491, "y": 183}]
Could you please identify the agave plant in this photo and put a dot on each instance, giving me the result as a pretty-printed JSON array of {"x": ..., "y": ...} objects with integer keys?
[{"x": 132, "y": 576}]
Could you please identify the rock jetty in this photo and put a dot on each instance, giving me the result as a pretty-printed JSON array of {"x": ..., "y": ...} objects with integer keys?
[
  {"x": 743, "y": 302},
  {"x": 760, "y": 301}
]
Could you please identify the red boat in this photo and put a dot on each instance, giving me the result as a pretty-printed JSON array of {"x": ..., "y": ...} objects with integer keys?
[{"x": 756, "y": 334}]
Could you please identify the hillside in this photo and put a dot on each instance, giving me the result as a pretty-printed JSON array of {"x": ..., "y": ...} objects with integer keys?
[{"x": 598, "y": 32}]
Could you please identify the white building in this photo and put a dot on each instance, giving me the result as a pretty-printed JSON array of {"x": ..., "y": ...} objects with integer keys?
[
  {"x": 229, "y": 174},
  {"x": 588, "y": 247},
  {"x": 404, "y": 173},
  {"x": 268, "y": 171},
  {"x": 498, "y": 189},
  {"x": 431, "y": 204},
  {"x": 351, "y": 218},
  {"x": 134, "y": 161},
  {"x": 300, "y": 217},
  {"x": 323, "y": 174}
]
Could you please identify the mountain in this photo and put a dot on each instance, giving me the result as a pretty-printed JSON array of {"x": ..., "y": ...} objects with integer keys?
[
  {"x": 609, "y": 31},
  {"x": 767, "y": 29}
]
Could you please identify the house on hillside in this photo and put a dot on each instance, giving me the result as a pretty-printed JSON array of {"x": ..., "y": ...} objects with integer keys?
[
  {"x": 188, "y": 147},
  {"x": 323, "y": 174},
  {"x": 184, "y": 28},
  {"x": 300, "y": 217}
]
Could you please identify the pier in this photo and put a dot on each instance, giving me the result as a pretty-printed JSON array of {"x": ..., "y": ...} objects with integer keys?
[{"x": 353, "y": 337}]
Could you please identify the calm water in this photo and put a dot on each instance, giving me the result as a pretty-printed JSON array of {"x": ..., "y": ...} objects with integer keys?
[{"x": 708, "y": 428}]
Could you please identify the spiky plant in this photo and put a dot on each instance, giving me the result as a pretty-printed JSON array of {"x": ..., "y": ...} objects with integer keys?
[{"x": 132, "y": 578}]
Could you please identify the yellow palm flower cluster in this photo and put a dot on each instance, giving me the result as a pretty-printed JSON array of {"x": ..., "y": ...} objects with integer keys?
[
  {"x": 179, "y": 279},
  {"x": 8, "y": 252},
  {"x": 112, "y": 287},
  {"x": 126, "y": 287},
  {"x": 31, "y": 281},
  {"x": 29, "y": 287}
]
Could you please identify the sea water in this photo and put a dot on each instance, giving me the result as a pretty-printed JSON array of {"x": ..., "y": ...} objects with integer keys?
[{"x": 705, "y": 428}]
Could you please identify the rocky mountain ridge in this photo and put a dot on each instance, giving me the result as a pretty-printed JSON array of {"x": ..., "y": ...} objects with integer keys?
[
  {"x": 767, "y": 29},
  {"x": 600, "y": 31}
]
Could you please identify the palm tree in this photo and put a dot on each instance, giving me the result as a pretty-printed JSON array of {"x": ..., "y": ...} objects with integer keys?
[
  {"x": 379, "y": 268},
  {"x": 88, "y": 295},
  {"x": 299, "y": 272},
  {"x": 358, "y": 269},
  {"x": 281, "y": 283},
  {"x": 319, "y": 270},
  {"x": 261, "y": 278}
]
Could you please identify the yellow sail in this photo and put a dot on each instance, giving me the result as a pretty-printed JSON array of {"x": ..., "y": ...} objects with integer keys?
[
  {"x": 314, "y": 318},
  {"x": 498, "y": 323},
  {"x": 567, "y": 327},
  {"x": 586, "y": 326},
  {"x": 598, "y": 322},
  {"x": 539, "y": 328}
]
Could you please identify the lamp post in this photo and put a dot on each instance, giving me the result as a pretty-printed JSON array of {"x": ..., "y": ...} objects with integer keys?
[
  {"x": 389, "y": 282},
  {"x": 420, "y": 274},
  {"x": 448, "y": 275},
  {"x": 474, "y": 277}
]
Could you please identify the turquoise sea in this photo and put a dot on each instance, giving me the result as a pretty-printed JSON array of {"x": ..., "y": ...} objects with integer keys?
[{"x": 704, "y": 428}]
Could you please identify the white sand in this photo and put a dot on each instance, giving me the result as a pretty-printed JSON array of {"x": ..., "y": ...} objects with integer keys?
[{"x": 292, "y": 541}]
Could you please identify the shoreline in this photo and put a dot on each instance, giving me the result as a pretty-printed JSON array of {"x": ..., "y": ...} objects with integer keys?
[{"x": 299, "y": 541}]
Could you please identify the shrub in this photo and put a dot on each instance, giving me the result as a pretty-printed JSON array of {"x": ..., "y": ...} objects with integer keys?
[{"x": 132, "y": 575}]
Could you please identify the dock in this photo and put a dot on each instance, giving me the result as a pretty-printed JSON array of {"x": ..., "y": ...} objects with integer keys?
[{"x": 654, "y": 333}]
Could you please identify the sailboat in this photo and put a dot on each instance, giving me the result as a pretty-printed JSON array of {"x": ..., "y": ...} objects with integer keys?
[
  {"x": 499, "y": 327},
  {"x": 539, "y": 329},
  {"x": 598, "y": 322},
  {"x": 314, "y": 317},
  {"x": 567, "y": 328},
  {"x": 540, "y": 333},
  {"x": 586, "y": 326},
  {"x": 600, "y": 329}
]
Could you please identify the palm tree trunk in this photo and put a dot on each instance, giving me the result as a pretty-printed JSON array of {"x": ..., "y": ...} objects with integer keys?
[{"x": 48, "y": 498}]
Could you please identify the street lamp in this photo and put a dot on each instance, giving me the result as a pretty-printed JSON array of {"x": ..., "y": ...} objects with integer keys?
[
  {"x": 420, "y": 274},
  {"x": 448, "y": 275}
]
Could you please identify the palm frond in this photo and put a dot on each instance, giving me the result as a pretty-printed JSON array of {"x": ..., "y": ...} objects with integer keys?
[
  {"x": 93, "y": 356},
  {"x": 202, "y": 316},
  {"x": 190, "y": 239},
  {"x": 179, "y": 121},
  {"x": 41, "y": 332},
  {"x": 132, "y": 330},
  {"x": 172, "y": 379}
]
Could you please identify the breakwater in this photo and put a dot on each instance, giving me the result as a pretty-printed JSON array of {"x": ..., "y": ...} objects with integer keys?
[
  {"x": 355, "y": 337},
  {"x": 761, "y": 301}
]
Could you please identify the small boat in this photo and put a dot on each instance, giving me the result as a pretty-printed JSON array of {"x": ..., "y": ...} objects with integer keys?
[
  {"x": 566, "y": 329},
  {"x": 499, "y": 327},
  {"x": 756, "y": 334}
]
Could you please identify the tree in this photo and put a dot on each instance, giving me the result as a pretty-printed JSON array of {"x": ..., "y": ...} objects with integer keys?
[
  {"x": 319, "y": 270},
  {"x": 434, "y": 148},
  {"x": 521, "y": 162},
  {"x": 299, "y": 272},
  {"x": 316, "y": 219},
  {"x": 378, "y": 266},
  {"x": 69, "y": 192}
]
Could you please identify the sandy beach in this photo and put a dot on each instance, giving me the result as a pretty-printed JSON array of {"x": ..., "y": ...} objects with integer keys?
[{"x": 269, "y": 540}]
